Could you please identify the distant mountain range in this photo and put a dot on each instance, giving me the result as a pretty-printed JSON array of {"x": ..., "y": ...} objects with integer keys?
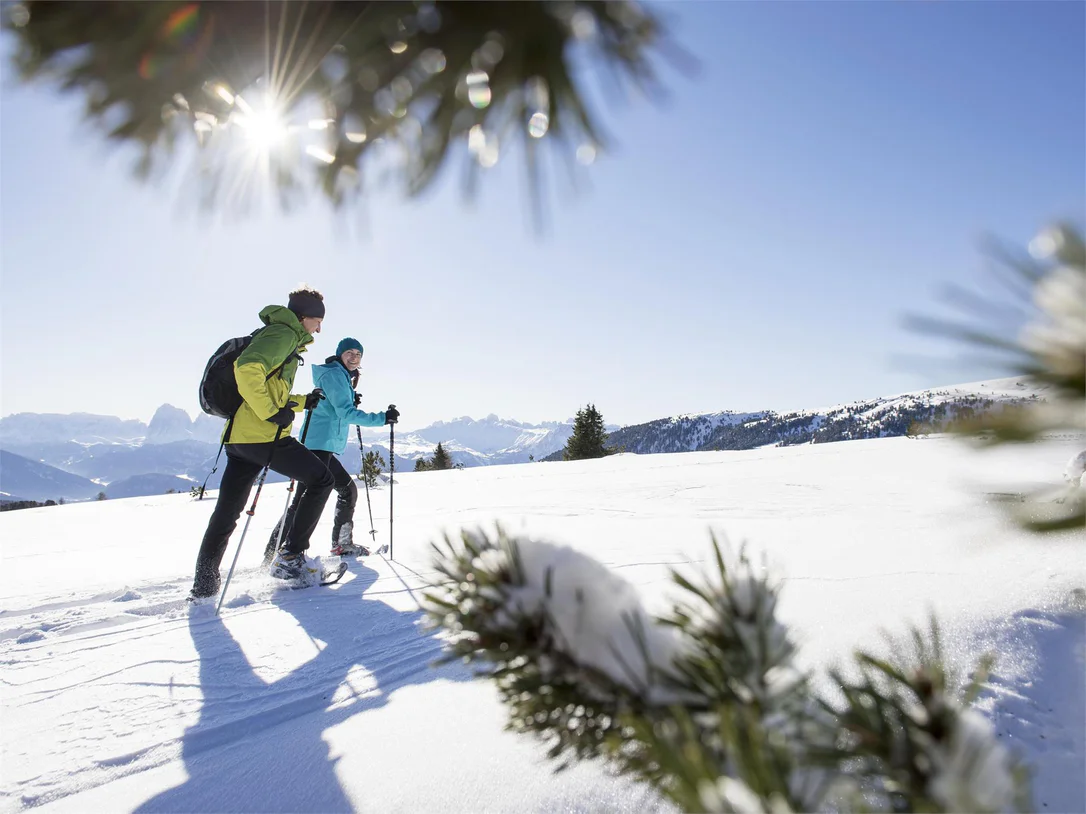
[
  {"x": 52, "y": 456},
  {"x": 24, "y": 479},
  {"x": 126, "y": 458},
  {"x": 168, "y": 425}
]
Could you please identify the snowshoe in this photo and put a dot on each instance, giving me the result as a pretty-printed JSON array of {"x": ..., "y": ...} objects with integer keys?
[
  {"x": 349, "y": 550},
  {"x": 301, "y": 572},
  {"x": 345, "y": 546}
]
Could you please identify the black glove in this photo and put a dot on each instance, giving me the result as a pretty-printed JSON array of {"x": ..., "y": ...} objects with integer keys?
[
  {"x": 285, "y": 417},
  {"x": 313, "y": 399},
  {"x": 392, "y": 415},
  {"x": 357, "y": 399}
]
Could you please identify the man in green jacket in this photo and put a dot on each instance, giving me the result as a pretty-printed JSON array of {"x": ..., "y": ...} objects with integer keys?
[{"x": 261, "y": 431}]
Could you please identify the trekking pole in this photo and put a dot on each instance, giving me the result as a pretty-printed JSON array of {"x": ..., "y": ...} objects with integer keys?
[
  {"x": 250, "y": 513},
  {"x": 271, "y": 548},
  {"x": 391, "y": 477},
  {"x": 366, "y": 480}
]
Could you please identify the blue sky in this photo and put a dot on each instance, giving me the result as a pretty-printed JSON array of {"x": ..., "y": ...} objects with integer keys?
[{"x": 752, "y": 243}]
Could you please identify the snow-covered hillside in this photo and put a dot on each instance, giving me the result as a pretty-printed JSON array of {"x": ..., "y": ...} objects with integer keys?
[
  {"x": 682, "y": 433},
  {"x": 24, "y": 479},
  {"x": 873, "y": 418},
  {"x": 118, "y": 696}
]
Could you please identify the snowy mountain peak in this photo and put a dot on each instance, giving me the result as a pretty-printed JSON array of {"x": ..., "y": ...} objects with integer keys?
[
  {"x": 169, "y": 424},
  {"x": 488, "y": 435},
  {"x": 491, "y": 420},
  {"x": 207, "y": 428}
]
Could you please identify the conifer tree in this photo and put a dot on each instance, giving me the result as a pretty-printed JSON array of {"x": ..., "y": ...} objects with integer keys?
[
  {"x": 441, "y": 459},
  {"x": 373, "y": 464},
  {"x": 589, "y": 439}
]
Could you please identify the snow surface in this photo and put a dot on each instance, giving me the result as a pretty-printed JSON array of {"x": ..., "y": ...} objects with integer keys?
[{"x": 116, "y": 696}]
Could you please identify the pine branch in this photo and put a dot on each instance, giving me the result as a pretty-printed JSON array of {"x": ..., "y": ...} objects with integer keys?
[
  {"x": 1048, "y": 286},
  {"x": 704, "y": 704},
  {"x": 906, "y": 739},
  {"x": 637, "y": 691},
  {"x": 400, "y": 85},
  {"x": 498, "y": 619}
]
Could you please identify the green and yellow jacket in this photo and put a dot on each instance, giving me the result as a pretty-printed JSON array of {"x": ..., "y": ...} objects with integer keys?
[{"x": 283, "y": 340}]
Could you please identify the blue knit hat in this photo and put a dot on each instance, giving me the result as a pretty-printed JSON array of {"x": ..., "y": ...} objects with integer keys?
[{"x": 347, "y": 344}]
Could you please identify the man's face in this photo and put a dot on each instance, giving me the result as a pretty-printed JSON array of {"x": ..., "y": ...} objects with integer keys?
[
  {"x": 312, "y": 324},
  {"x": 352, "y": 359}
]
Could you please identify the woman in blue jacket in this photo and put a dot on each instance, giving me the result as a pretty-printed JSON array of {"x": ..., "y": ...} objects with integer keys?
[{"x": 326, "y": 437}]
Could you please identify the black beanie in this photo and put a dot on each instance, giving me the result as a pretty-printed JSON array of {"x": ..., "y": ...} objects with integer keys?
[{"x": 306, "y": 304}]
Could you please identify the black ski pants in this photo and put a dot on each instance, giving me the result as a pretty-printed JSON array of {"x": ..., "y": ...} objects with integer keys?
[
  {"x": 347, "y": 498},
  {"x": 243, "y": 465}
]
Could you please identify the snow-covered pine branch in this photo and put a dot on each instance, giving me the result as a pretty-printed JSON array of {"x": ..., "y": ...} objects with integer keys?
[
  {"x": 580, "y": 663},
  {"x": 1051, "y": 350},
  {"x": 705, "y": 703},
  {"x": 737, "y": 651},
  {"x": 911, "y": 744},
  {"x": 555, "y": 630}
]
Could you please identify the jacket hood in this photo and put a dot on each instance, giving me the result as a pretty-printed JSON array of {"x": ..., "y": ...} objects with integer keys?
[
  {"x": 332, "y": 363},
  {"x": 281, "y": 315}
]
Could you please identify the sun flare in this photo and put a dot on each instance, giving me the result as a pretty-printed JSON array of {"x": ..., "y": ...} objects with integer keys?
[{"x": 265, "y": 127}]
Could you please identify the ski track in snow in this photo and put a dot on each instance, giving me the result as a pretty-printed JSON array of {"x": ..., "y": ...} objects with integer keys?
[
  {"x": 94, "y": 626},
  {"x": 118, "y": 694}
]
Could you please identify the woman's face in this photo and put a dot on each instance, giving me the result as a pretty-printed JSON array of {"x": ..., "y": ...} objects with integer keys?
[{"x": 352, "y": 359}]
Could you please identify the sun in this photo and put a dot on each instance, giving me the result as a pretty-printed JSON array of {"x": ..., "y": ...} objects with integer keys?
[{"x": 265, "y": 127}]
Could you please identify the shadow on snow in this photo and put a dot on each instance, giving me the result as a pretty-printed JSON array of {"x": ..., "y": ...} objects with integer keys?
[{"x": 235, "y": 762}]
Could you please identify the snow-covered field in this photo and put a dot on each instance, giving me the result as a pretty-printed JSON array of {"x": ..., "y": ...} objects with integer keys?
[{"x": 117, "y": 696}]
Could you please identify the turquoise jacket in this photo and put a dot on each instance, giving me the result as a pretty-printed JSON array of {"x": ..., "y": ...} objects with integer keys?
[{"x": 332, "y": 419}]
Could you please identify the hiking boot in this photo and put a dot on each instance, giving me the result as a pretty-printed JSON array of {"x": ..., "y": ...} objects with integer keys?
[
  {"x": 207, "y": 582},
  {"x": 291, "y": 566},
  {"x": 344, "y": 545},
  {"x": 202, "y": 592},
  {"x": 349, "y": 550}
]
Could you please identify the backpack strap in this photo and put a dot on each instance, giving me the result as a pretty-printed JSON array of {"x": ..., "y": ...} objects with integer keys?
[
  {"x": 226, "y": 435},
  {"x": 294, "y": 353},
  {"x": 215, "y": 466},
  {"x": 230, "y": 423}
]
